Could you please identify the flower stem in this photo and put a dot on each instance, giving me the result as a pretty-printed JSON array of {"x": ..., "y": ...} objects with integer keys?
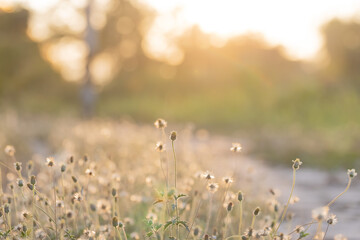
[
  {"x": 241, "y": 217},
  {"x": 347, "y": 188},
  {"x": 288, "y": 202}
]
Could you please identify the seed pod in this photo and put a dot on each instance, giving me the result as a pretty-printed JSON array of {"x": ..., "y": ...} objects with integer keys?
[
  {"x": 256, "y": 211},
  {"x": 20, "y": 182},
  {"x": 240, "y": 196},
  {"x": 33, "y": 180},
  {"x": 229, "y": 207},
  {"x": 30, "y": 165},
  {"x": 113, "y": 192},
  {"x": 92, "y": 207},
  {"x": 6, "y": 208},
  {"x": 74, "y": 179},
  {"x": 173, "y": 136},
  {"x": 30, "y": 186},
  {"x": 196, "y": 231},
  {"x": 115, "y": 222},
  {"x": 18, "y": 166}
]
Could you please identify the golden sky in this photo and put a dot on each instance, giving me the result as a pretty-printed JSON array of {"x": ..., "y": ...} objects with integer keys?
[{"x": 292, "y": 23}]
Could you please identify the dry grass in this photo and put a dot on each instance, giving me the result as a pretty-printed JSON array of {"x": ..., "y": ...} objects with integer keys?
[{"x": 123, "y": 181}]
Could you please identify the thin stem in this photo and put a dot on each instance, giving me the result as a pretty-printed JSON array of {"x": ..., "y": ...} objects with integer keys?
[
  {"x": 219, "y": 212},
  {"x": 241, "y": 217},
  {"x": 117, "y": 230},
  {"x": 173, "y": 148},
  {"x": 176, "y": 200},
  {"x": 288, "y": 202},
  {"x": 253, "y": 222},
  {"x": 227, "y": 219},
  {"x": 56, "y": 232},
  {"x": 306, "y": 224},
  {"x": 209, "y": 216},
  {"x": 347, "y": 188},
  {"x": 196, "y": 214},
  {"x": 123, "y": 228},
  {"x": 327, "y": 228},
  {"x": 318, "y": 230}
]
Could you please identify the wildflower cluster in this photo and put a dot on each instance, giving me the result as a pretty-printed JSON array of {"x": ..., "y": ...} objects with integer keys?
[{"x": 134, "y": 186}]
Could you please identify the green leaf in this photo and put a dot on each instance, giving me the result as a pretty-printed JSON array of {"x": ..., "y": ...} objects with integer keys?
[
  {"x": 180, "y": 196},
  {"x": 171, "y": 192},
  {"x": 167, "y": 224},
  {"x": 157, "y": 201},
  {"x": 183, "y": 223}
]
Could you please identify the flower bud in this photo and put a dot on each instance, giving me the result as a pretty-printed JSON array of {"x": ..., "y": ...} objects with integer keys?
[
  {"x": 240, "y": 196},
  {"x": 6, "y": 208},
  {"x": 256, "y": 211},
  {"x": 74, "y": 179},
  {"x": 229, "y": 207},
  {"x": 115, "y": 222},
  {"x": 113, "y": 192},
  {"x": 173, "y": 136},
  {"x": 33, "y": 180},
  {"x": 30, "y": 186}
]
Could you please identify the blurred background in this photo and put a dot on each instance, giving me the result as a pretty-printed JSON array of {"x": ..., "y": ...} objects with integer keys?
[{"x": 282, "y": 75}]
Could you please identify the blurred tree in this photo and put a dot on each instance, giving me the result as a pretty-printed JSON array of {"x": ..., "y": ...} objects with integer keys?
[
  {"x": 88, "y": 42},
  {"x": 342, "y": 46},
  {"x": 24, "y": 74}
]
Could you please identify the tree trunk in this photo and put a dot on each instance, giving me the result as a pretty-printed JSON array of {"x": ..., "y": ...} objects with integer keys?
[{"x": 88, "y": 92}]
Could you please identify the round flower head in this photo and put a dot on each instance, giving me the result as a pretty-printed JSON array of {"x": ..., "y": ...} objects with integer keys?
[
  {"x": 299, "y": 229},
  {"x": 40, "y": 234},
  {"x": 17, "y": 166},
  {"x": 256, "y": 211},
  {"x": 103, "y": 206},
  {"x": 320, "y": 214},
  {"x": 340, "y": 237},
  {"x": 160, "y": 123},
  {"x": 236, "y": 147},
  {"x": 207, "y": 175},
  {"x": 332, "y": 219},
  {"x": 228, "y": 180},
  {"x": 352, "y": 173},
  {"x": 240, "y": 196},
  {"x": 296, "y": 164},
  {"x": 90, "y": 172},
  {"x": 173, "y": 135},
  {"x": 160, "y": 147},
  {"x": 50, "y": 161},
  {"x": 89, "y": 233},
  {"x": 10, "y": 150},
  {"x": 212, "y": 187}
]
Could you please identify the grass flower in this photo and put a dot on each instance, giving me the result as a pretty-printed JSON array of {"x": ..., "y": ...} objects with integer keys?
[
  {"x": 213, "y": 187},
  {"x": 331, "y": 219},
  {"x": 50, "y": 162},
  {"x": 351, "y": 173},
  {"x": 236, "y": 147},
  {"x": 160, "y": 123},
  {"x": 9, "y": 150},
  {"x": 320, "y": 213}
]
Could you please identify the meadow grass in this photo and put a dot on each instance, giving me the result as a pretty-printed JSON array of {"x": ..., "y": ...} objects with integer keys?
[{"x": 140, "y": 182}]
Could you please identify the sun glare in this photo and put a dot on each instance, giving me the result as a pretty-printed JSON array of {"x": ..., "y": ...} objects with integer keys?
[{"x": 294, "y": 24}]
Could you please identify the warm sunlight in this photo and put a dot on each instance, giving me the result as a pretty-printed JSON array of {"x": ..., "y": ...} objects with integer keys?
[{"x": 294, "y": 24}]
